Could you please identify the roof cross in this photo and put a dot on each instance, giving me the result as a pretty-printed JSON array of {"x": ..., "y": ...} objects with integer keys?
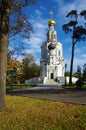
[{"x": 51, "y": 13}]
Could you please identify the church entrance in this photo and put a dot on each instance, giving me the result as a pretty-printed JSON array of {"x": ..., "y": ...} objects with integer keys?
[{"x": 52, "y": 76}]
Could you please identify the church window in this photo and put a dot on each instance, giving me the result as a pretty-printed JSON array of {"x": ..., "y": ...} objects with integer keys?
[{"x": 59, "y": 53}]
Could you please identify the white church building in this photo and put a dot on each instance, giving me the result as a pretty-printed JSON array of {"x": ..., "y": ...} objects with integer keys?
[{"x": 52, "y": 61}]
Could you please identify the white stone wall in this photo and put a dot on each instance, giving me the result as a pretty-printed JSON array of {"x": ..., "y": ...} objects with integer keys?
[{"x": 73, "y": 79}]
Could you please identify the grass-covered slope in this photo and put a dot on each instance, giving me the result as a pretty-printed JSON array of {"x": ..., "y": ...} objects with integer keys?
[{"x": 24, "y": 113}]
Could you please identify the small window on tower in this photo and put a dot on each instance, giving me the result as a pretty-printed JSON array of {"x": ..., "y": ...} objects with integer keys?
[{"x": 59, "y": 53}]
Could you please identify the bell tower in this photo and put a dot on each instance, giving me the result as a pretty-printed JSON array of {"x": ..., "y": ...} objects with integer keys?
[
  {"x": 51, "y": 35},
  {"x": 52, "y": 61}
]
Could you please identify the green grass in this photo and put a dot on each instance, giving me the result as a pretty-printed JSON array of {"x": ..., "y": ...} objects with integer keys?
[
  {"x": 73, "y": 86},
  {"x": 14, "y": 86},
  {"x": 24, "y": 113}
]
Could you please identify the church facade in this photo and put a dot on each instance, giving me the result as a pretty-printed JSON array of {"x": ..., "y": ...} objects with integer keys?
[{"x": 52, "y": 61}]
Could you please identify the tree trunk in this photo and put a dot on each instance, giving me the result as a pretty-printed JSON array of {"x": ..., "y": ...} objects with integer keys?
[
  {"x": 4, "y": 27},
  {"x": 3, "y": 60},
  {"x": 71, "y": 65}
]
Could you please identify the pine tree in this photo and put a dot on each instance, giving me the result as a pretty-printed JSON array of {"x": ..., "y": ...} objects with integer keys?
[
  {"x": 78, "y": 33},
  {"x": 84, "y": 72}
]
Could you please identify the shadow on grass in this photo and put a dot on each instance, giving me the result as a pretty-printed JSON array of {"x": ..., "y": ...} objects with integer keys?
[{"x": 73, "y": 86}]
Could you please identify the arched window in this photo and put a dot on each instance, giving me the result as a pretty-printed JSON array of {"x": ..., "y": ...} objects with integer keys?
[{"x": 59, "y": 53}]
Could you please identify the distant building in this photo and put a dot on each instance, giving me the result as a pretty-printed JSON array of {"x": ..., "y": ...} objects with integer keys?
[{"x": 52, "y": 61}]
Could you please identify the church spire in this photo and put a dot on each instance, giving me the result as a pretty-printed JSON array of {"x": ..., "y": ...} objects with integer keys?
[
  {"x": 51, "y": 22},
  {"x": 52, "y": 34}
]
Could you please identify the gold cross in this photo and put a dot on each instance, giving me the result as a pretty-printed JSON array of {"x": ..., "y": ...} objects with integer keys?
[{"x": 51, "y": 13}]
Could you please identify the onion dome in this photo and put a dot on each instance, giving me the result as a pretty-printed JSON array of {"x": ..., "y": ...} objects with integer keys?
[
  {"x": 51, "y": 22},
  {"x": 51, "y": 46}
]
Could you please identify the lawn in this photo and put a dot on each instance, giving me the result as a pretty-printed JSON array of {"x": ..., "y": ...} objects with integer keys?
[
  {"x": 24, "y": 113},
  {"x": 17, "y": 86},
  {"x": 74, "y": 86}
]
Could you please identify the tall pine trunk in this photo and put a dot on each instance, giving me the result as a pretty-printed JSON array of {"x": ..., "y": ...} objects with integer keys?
[
  {"x": 4, "y": 28},
  {"x": 71, "y": 65},
  {"x": 72, "y": 57}
]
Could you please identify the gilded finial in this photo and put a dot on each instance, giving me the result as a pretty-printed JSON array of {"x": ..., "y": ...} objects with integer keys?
[{"x": 51, "y": 22}]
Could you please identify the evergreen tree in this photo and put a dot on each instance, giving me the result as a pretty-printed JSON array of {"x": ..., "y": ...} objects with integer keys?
[
  {"x": 78, "y": 33},
  {"x": 78, "y": 72},
  {"x": 84, "y": 72}
]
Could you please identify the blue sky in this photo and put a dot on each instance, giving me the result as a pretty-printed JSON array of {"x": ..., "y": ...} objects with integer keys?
[{"x": 38, "y": 15}]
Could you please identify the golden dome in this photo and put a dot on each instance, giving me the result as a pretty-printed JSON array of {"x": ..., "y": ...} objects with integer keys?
[{"x": 51, "y": 22}]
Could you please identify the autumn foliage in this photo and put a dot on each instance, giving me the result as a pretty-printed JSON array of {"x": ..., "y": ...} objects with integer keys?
[
  {"x": 19, "y": 71},
  {"x": 14, "y": 71}
]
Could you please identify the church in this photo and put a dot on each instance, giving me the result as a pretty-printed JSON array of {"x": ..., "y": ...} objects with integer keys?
[{"x": 52, "y": 61}]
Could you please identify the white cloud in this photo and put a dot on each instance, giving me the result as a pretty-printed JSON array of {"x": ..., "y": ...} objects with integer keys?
[
  {"x": 78, "y": 51},
  {"x": 39, "y": 25},
  {"x": 39, "y": 36},
  {"x": 79, "y": 61},
  {"x": 84, "y": 56},
  {"x": 38, "y": 12},
  {"x": 68, "y": 6}
]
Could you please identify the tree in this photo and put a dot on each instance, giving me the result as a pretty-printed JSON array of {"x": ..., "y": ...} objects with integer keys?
[
  {"x": 84, "y": 72},
  {"x": 14, "y": 71},
  {"x": 19, "y": 25},
  {"x": 78, "y": 33},
  {"x": 30, "y": 68},
  {"x": 79, "y": 71},
  {"x": 67, "y": 73},
  {"x": 4, "y": 27},
  {"x": 28, "y": 60},
  {"x": 34, "y": 70},
  {"x": 5, "y": 6}
]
